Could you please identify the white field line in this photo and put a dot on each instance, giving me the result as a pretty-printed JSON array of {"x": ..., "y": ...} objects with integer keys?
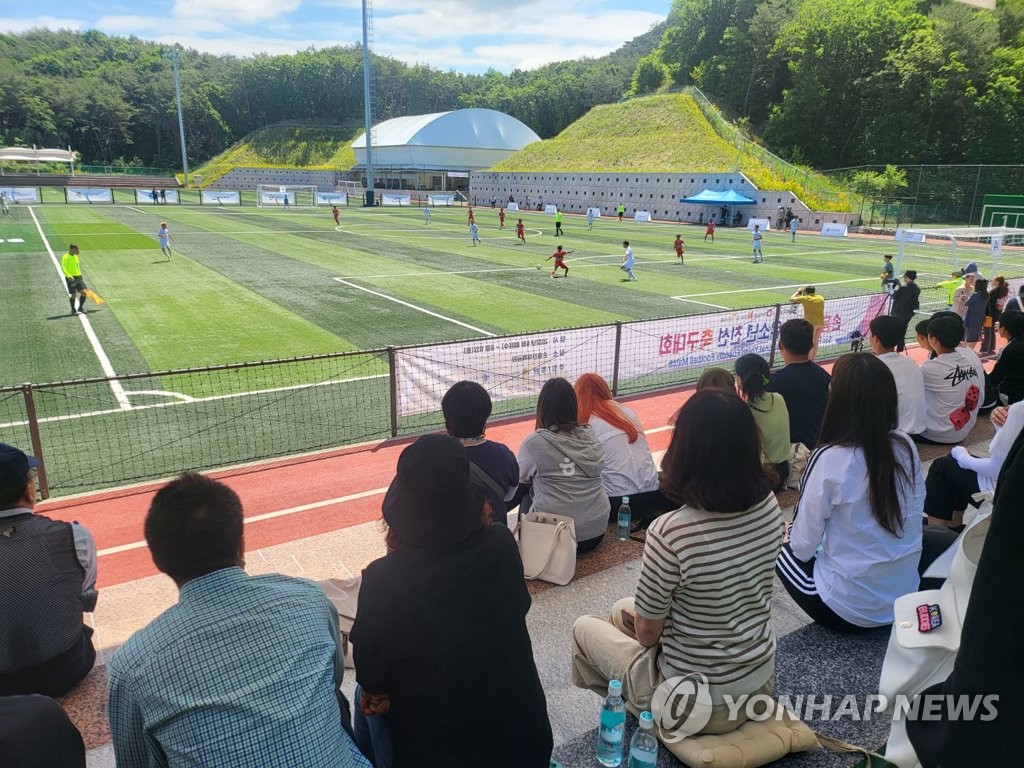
[
  {"x": 321, "y": 505},
  {"x": 705, "y": 303},
  {"x": 773, "y": 288},
  {"x": 101, "y": 355},
  {"x": 186, "y": 399},
  {"x": 414, "y": 306}
]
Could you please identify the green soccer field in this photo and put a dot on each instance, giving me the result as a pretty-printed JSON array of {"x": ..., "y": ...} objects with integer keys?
[
  {"x": 249, "y": 284},
  {"x": 256, "y": 284}
]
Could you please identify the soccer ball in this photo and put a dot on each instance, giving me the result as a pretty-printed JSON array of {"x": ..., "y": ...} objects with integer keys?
[{"x": 538, "y": 267}]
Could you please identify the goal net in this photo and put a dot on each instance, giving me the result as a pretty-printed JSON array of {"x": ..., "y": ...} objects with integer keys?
[
  {"x": 936, "y": 253},
  {"x": 354, "y": 190},
  {"x": 286, "y": 195}
]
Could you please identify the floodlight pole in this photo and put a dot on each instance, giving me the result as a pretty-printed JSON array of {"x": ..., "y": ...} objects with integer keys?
[
  {"x": 367, "y": 118},
  {"x": 173, "y": 56}
]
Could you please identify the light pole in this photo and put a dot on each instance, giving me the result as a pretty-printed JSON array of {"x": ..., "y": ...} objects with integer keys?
[
  {"x": 367, "y": 117},
  {"x": 173, "y": 56}
]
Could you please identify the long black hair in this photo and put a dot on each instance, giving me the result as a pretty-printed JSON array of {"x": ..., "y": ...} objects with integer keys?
[
  {"x": 861, "y": 413},
  {"x": 753, "y": 371}
]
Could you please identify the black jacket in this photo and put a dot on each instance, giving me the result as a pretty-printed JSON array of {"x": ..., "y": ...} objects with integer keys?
[{"x": 905, "y": 301}]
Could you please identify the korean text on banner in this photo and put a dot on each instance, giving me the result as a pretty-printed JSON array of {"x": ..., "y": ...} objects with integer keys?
[{"x": 507, "y": 367}]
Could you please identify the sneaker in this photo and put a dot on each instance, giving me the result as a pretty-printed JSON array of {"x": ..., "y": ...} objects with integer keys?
[{"x": 74, "y": 312}]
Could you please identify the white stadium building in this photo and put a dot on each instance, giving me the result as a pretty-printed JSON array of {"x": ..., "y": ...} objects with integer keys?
[{"x": 438, "y": 151}]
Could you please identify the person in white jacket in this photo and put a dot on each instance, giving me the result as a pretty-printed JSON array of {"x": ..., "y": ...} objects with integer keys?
[
  {"x": 855, "y": 542},
  {"x": 953, "y": 480}
]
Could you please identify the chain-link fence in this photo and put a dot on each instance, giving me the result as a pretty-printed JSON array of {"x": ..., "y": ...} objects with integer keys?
[{"x": 105, "y": 432}]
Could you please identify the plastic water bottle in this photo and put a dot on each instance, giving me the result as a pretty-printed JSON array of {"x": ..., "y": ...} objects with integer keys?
[
  {"x": 612, "y": 731},
  {"x": 643, "y": 749},
  {"x": 625, "y": 520}
]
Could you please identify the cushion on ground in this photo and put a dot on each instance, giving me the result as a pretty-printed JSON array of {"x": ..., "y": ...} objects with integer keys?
[{"x": 755, "y": 743}]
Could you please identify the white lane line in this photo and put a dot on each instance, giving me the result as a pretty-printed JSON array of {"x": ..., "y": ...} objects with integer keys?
[
  {"x": 187, "y": 399},
  {"x": 774, "y": 288},
  {"x": 265, "y": 516},
  {"x": 325, "y": 503},
  {"x": 101, "y": 355},
  {"x": 414, "y": 306}
]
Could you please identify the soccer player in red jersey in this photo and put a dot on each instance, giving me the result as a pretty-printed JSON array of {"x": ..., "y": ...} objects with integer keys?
[
  {"x": 710, "y": 231},
  {"x": 680, "y": 246},
  {"x": 334, "y": 213},
  {"x": 501, "y": 218},
  {"x": 470, "y": 218},
  {"x": 559, "y": 257},
  {"x": 521, "y": 231}
]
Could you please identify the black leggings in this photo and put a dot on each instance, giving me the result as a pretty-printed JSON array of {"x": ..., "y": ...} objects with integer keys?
[
  {"x": 798, "y": 579},
  {"x": 949, "y": 488}
]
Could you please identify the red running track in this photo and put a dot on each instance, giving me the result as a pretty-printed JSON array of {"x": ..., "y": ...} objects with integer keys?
[{"x": 312, "y": 494}]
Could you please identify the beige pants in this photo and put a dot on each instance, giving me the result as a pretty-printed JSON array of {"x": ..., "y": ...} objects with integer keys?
[{"x": 603, "y": 650}]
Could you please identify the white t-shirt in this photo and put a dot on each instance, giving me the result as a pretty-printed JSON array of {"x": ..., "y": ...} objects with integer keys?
[
  {"x": 910, "y": 389},
  {"x": 861, "y": 568},
  {"x": 954, "y": 385},
  {"x": 628, "y": 467}
]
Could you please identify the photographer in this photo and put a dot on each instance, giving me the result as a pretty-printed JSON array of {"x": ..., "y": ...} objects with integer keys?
[{"x": 814, "y": 313}]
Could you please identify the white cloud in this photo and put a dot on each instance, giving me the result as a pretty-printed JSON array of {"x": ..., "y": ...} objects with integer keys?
[
  {"x": 246, "y": 11},
  {"x": 15, "y": 26}
]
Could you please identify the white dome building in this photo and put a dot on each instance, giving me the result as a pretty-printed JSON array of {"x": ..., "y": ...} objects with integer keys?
[{"x": 420, "y": 151}]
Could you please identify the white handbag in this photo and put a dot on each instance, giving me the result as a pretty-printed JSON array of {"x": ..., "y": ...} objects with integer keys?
[
  {"x": 547, "y": 544},
  {"x": 917, "y": 660}
]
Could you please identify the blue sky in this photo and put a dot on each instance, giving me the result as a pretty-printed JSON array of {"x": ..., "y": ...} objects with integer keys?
[{"x": 464, "y": 35}]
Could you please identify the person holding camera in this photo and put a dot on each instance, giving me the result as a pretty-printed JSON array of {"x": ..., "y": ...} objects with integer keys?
[{"x": 814, "y": 313}]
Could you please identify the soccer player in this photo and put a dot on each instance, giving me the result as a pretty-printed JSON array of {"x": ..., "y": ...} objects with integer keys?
[
  {"x": 887, "y": 274},
  {"x": 627, "y": 262},
  {"x": 710, "y": 231},
  {"x": 521, "y": 231},
  {"x": 680, "y": 246},
  {"x": 164, "y": 235},
  {"x": 335, "y": 213},
  {"x": 558, "y": 223},
  {"x": 501, "y": 218},
  {"x": 426, "y": 214},
  {"x": 590, "y": 218},
  {"x": 620, "y": 211},
  {"x": 470, "y": 218},
  {"x": 3, "y": 204},
  {"x": 286, "y": 201},
  {"x": 72, "y": 270},
  {"x": 758, "y": 256},
  {"x": 792, "y": 229},
  {"x": 474, "y": 232},
  {"x": 559, "y": 257}
]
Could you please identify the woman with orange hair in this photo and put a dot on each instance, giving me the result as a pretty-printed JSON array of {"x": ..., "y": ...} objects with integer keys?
[{"x": 628, "y": 465}]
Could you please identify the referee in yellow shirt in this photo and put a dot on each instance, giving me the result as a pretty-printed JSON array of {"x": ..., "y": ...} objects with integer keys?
[
  {"x": 73, "y": 277},
  {"x": 814, "y": 312}
]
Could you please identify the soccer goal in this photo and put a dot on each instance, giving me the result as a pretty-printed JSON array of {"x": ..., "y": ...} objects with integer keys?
[
  {"x": 354, "y": 190},
  {"x": 945, "y": 250},
  {"x": 286, "y": 195}
]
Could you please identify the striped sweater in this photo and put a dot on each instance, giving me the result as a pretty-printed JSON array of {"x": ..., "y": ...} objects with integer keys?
[{"x": 710, "y": 575}]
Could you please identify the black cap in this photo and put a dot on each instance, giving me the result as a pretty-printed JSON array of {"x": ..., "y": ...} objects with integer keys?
[
  {"x": 911, "y": 273},
  {"x": 433, "y": 502},
  {"x": 14, "y": 467}
]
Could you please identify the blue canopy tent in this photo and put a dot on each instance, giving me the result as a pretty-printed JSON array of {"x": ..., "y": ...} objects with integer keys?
[{"x": 725, "y": 199}]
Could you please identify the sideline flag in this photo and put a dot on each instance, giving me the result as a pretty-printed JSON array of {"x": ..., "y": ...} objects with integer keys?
[{"x": 94, "y": 296}]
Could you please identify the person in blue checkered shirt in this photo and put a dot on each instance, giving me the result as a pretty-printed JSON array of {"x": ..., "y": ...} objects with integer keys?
[{"x": 243, "y": 670}]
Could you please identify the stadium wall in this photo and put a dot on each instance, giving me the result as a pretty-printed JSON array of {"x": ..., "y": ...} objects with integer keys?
[
  {"x": 658, "y": 193},
  {"x": 250, "y": 178}
]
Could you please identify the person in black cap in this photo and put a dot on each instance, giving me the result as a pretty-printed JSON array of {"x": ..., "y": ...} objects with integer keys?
[
  {"x": 441, "y": 648},
  {"x": 48, "y": 573},
  {"x": 906, "y": 301}
]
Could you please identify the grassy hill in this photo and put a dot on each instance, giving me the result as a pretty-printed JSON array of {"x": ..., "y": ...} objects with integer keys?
[
  {"x": 286, "y": 146},
  {"x": 664, "y": 132}
]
